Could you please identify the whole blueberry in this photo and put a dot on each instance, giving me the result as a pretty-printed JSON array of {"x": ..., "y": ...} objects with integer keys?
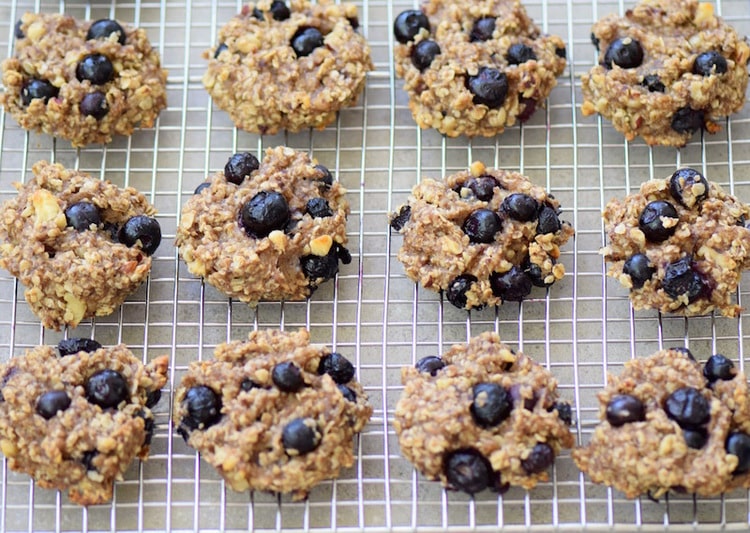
[
  {"x": 489, "y": 87},
  {"x": 279, "y": 10},
  {"x": 548, "y": 221},
  {"x": 483, "y": 187},
  {"x": 258, "y": 14},
  {"x": 681, "y": 279},
  {"x": 318, "y": 208},
  {"x": 625, "y": 408},
  {"x": 327, "y": 177},
  {"x": 653, "y": 83},
  {"x": 651, "y": 220},
  {"x": 38, "y": 89},
  {"x": 625, "y": 52},
  {"x": 564, "y": 412},
  {"x": 306, "y": 40},
  {"x": 203, "y": 408},
  {"x": 106, "y": 388},
  {"x": 511, "y": 286},
  {"x": 540, "y": 458},
  {"x": 338, "y": 367},
  {"x": 561, "y": 52},
  {"x": 520, "y": 53},
  {"x": 240, "y": 166},
  {"x": 263, "y": 213},
  {"x": 202, "y": 187},
  {"x": 719, "y": 367},
  {"x": 317, "y": 267},
  {"x": 709, "y": 63},
  {"x": 103, "y": 28},
  {"x": 94, "y": 105},
  {"x": 481, "y": 226},
  {"x": 423, "y": 54},
  {"x": 219, "y": 49},
  {"x": 695, "y": 438},
  {"x": 51, "y": 402},
  {"x": 17, "y": 31},
  {"x": 688, "y": 186},
  {"x": 483, "y": 29},
  {"x": 95, "y": 68},
  {"x": 520, "y": 207},
  {"x": 491, "y": 405},
  {"x": 408, "y": 24},
  {"x": 80, "y": 216},
  {"x": 430, "y": 365},
  {"x": 143, "y": 229},
  {"x": 687, "y": 120},
  {"x": 458, "y": 288},
  {"x": 153, "y": 397},
  {"x": 287, "y": 377},
  {"x": 404, "y": 214},
  {"x": 299, "y": 437},
  {"x": 468, "y": 470},
  {"x": 685, "y": 351},
  {"x": 74, "y": 345},
  {"x": 688, "y": 407},
  {"x": 637, "y": 267},
  {"x": 738, "y": 444},
  {"x": 348, "y": 393}
]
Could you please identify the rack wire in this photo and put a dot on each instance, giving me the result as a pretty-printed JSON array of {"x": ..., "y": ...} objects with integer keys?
[{"x": 581, "y": 329}]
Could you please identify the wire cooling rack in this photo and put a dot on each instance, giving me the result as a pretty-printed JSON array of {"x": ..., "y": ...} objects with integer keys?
[{"x": 581, "y": 330}]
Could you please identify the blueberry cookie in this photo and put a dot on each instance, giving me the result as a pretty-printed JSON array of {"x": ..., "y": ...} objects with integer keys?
[
  {"x": 82, "y": 81},
  {"x": 680, "y": 245},
  {"x": 74, "y": 417},
  {"x": 484, "y": 236},
  {"x": 667, "y": 69},
  {"x": 473, "y": 68},
  {"x": 292, "y": 67},
  {"x": 80, "y": 245},
  {"x": 272, "y": 413},
  {"x": 666, "y": 424},
  {"x": 481, "y": 416},
  {"x": 270, "y": 230}
]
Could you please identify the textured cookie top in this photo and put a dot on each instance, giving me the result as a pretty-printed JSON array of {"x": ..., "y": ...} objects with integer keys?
[
  {"x": 75, "y": 417},
  {"x": 82, "y": 81},
  {"x": 272, "y": 413}
]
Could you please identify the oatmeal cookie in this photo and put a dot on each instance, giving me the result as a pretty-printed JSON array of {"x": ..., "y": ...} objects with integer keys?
[
  {"x": 80, "y": 245},
  {"x": 481, "y": 416},
  {"x": 680, "y": 245},
  {"x": 74, "y": 417},
  {"x": 667, "y": 69},
  {"x": 280, "y": 66},
  {"x": 82, "y": 81},
  {"x": 272, "y": 413},
  {"x": 473, "y": 68},
  {"x": 666, "y": 424},
  {"x": 270, "y": 230},
  {"x": 484, "y": 236}
]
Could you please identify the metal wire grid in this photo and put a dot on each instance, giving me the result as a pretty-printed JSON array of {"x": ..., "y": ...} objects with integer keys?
[{"x": 583, "y": 328}]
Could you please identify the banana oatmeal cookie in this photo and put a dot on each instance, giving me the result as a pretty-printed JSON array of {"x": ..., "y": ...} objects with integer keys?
[
  {"x": 82, "y": 81},
  {"x": 75, "y": 417},
  {"x": 272, "y": 413}
]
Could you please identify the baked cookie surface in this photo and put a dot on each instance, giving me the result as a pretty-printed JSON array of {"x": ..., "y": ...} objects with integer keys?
[
  {"x": 272, "y": 413},
  {"x": 666, "y": 70},
  {"x": 288, "y": 66},
  {"x": 266, "y": 230},
  {"x": 481, "y": 416},
  {"x": 82, "y": 81},
  {"x": 474, "y": 68},
  {"x": 78, "y": 244},
  {"x": 680, "y": 244},
  {"x": 74, "y": 417},
  {"x": 483, "y": 235}
]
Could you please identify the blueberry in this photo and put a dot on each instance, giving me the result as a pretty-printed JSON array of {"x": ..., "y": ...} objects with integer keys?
[
  {"x": 719, "y": 367},
  {"x": 468, "y": 470},
  {"x": 695, "y": 438},
  {"x": 408, "y": 24},
  {"x": 248, "y": 384},
  {"x": 625, "y": 52},
  {"x": 95, "y": 68},
  {"x": 680, "y": 279},
  {"x": 306, "y": 40},
  {"x": 540, "y": 458},
  {"x": 688, "y": 186},
  {"x": 318, "y": 268},
  {"x": 688, "y": 407},
  {"x": 17, "y": 31},
  {"x": 353, "y": 22},
  {"x": 203, "y": 186},
  {"x": 338, "y": 367},
  {"x": 51, "y": 402},
  {"x": 594, "y": 41},
  {"x": 516, "y": 393},
  {"x": 430, "y": 365},
  {"x": 299, "y": 438},
  {"x": 94, "y": 105},
  {"x": 511, "y": 286},
  {"x": 491, "y": 405},
  {"x": 219, "y": 49},
  {"x": 535, "y": 274},
  {"x": 738, "y": 444},
  {"x": 143, "y": 229},
  {"x": 653, "y": 83},
  {"x": 623, "y": 409},
  {"x": 637, "y": 267},
  {"x": 709, "y": 63},
  {"x": 279, "y": 10},
  {"x": 687, "y": 120},
  {"x": 287, "y": 377},
  {"x": 458, "y": 288},
  {"x": 651, "y": 224},
  {"x": 481, "y": 226},
  {"x": 240, "y": 166},
  {"x": 400, "y": 220},
  {"x": 153, "y": 397},
  {"x": 103, "y": 28},
  {"x": 38, "y": 89},
  {"x": 483, "y": 187},
  {"x": 483, "y": 29},
  {"x": 258, "y": 14},
  {"x": 327, "y": 177},
  {"x": 263, "y": 213},
  {"x": 561, "y": 52},
  {"x": 348, "y": 393},
  {"x": 564, "y": 412},
  {"x": 529, "y": 107},
  {"x": 520, "y": 53},
  {"x": 75, "y": 344},
  {"x": 548, "y": 221},
  {"x": 87, "y": 460},
  {"x": 489, "y": 87},
  {"x": 685, "y": 351},
  {"x": 520, "y": 207},
  {"x": 107, "y": 388},
  {"x": 203, "y": 408},
  {"x": 343, "y": 254},
  {"x": 148, "y": 427},
  {"x": 318, "y": 208},
  {"x": 82, "y": 215},
  {"x": 424, "y": 53}
]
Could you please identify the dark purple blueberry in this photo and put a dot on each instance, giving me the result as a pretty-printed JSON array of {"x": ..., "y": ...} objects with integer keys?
[
  {"x": 327, "y": 177},
  {"x": 535, "y": 274},
  {"x": 637, "y": 267},
  {"x": 287, "y": 377},
  {"x": 685, "y": 351},
  {"x": 343, "y": 254},
  {"x": 430, "y": 365},
  {"x": 299, "y": 437},
  {"x": 38, "y": 89},
  {"x": 408, "y": 24},
  {"x": 561, "y": 52},
  {"x": 219, "y": 49},
  {"x": 483, "y": 29},
  {"x": 353, "y": 22},
  {"x": 318, "y": 268},
  {"x": 88, "y": 460},
  {"x": 143, "y": 229},
  {"x": 491, "y": 405},
  {"x": 687, "y": 120},
  {"x": 489, "y": 87},
  {"x": 680, "y": 279},
  {"x": 540, "y": 458},
  {"x": 153, "y": 397},
  {"x": 481, "y": 226},
  {"x": 468, "y": 470},
  {"x": 248, "y": 384},
  {"x": 75, "y": 344},
  {"x": 688, "y": 186},
  {"x": 529, "y": 107},
  {"x": 263, "y": 213},
  {"x": 399, "y": 221},
  {"x": 148, "y": 427},
  {"x": 625, "y": 408},
  {"x": 306, "y": 40},
  {"x": 625, "y": 52},
  {"x": 483, "y": 187},
  {"x": 738, "y": 444},
  {"x": 279, "y": 10},
  {"x": 80, "y": 216},
  {"x": 348, "y": 393},
  {"x": 318, "y": 208},
  {"x": 107, "y": 388},
  {"x": 653, "y": 83},
  {"x": 423, "y": 54},
  {"x": 338, "y": 367},
  {"x": 17, "y": 31},
  {"x": 709, "y": 63},
  {"x": 520, "y": 53},
  {"x": 695, "y": 438},
  {"x": 548, "y": 221},
  {"x": 651, "y": 224},
  {"x": 240, "y": 166},
  {"x": 94, "y": 105},
  {"x": 203, "y": 186},
  {"x": 511, "y": 286},
  {"x": 458, "y": 288},
  {"x": 719, "y": 367},
  {"x": 103, "y": 28},
  {"x": 594, "y": 41},
  {"x": 51, "y": 402},
  {"x": 688, "y": 407},
  {"x": 95, "y": 68},
  {"x": 520, "y": 207},
  {"x": 258, "y": 14},
  {"x": 564, "y": 412},
  {"x": 203, "y": 408}
]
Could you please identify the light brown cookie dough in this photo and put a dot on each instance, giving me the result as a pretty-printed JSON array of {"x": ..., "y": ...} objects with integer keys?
[
  {"x": 272, "y": 413},
  {"x": 483, "y": 235},
  {"x": 668, "y": 425},
  {"x": 666, "y": 70},
  {"x": 290, "y": 238},
  {"x": 291, "y": 67},
  {"x": 680, "y": 244},
  {"x": 474, "y": 68},
  {"x": 82, "y": 81},
  {"x": 80, "y": 245},
  {"x": 75, "y": 417},
  {"x": 482, "y": 416}
]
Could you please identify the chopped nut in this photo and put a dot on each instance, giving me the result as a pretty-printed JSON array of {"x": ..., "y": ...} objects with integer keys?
[
  {"x": 477, "y": 169},
  {"x": 46, "y": 208},
  {"x": 320, "y": 246}
]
